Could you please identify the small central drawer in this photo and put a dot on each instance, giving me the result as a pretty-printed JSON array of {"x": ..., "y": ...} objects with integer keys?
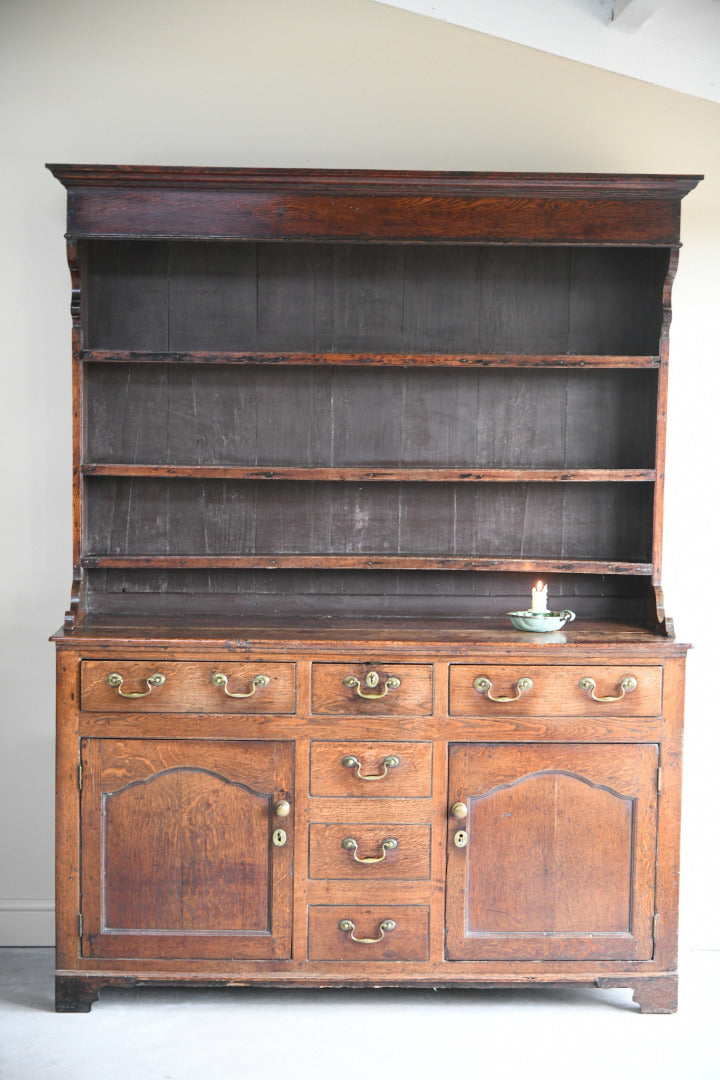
[
  {"x": 372, "y": 689},
  {"x": 367, "y": 851},
  {"x": 352, "y": 932},
  {"x": 522, "y": 690},
  {"x": 371, "y": 770},
  {"x": 225, "y": 686}
]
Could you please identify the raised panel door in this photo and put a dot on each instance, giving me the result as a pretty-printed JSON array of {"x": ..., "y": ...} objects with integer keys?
[
  {"x": 558, "y": 860},
  {"x": 178, "y": 855}
]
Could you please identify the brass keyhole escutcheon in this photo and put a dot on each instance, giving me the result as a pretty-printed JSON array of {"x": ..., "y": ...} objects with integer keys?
[
  {"x": 460, "y": 838},
  {"x": 279, "y": 838}
]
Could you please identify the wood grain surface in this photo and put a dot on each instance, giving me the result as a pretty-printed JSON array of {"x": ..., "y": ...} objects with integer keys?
[
  {"x": 188, "y": 687},
  {"x": 555, "y": 691}
]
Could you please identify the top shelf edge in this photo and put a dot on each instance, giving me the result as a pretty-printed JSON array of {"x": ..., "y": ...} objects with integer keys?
[
  {"x": 372, "y": 181},
  {"x": 367, "y": 359}
]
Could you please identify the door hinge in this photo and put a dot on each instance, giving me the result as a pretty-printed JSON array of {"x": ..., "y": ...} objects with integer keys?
[
  {"x": 659, "y": 779},
  {"x": 80, "y": 924},
  {"x": 80, "y": 776},
  {"x": 656, "y": 919}
]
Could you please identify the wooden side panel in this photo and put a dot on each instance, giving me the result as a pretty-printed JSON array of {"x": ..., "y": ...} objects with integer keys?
[
  {"x": 176, "y": 849},
  {"x": 560, "y": 859}
]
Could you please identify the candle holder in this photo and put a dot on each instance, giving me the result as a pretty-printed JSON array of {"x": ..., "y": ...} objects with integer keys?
[{"x": 540, "y": 622}]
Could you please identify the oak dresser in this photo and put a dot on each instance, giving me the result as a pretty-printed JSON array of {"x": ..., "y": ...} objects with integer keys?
[{"x": 330, "y": 427}]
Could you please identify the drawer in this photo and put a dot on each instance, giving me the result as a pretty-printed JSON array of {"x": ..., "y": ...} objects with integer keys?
[
  {"x": 179, "y": 686},
  {"x": 384, "y": 932},
  {"x": 372, "y": 689},
  {"x": 555, "y": 691},
  {"x": 375, "y": 770},
  {"x": 367, "y": 851}
]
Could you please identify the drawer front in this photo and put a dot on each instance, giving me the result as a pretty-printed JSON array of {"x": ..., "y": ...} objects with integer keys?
[
  {"x": 365, "y": 851},
  {"x": 179, "y": 686},
  {"x": 372, "y": 689},
  {"x": 384, "y": 932},
  {"x": 588, "y": 689},
  {"x": 374, "y": 770}
]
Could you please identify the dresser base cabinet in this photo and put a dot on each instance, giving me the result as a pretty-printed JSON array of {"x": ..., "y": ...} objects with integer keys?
[{"x": 355, "y": 843}]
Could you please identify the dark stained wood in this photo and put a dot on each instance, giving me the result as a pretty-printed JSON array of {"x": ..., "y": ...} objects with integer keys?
[
  {"x": 357, "y": 181},
  {"x": 238, "y": 472},
  {"x": 339, "y": 422},
  {"x": 350, "y": 418},
  {"x": 421, "y": 597},
  {"x": 653, "y": 994},
  {"x": 412, "y": 206},
  {"x": 75, "y": 994},
  {"x": 659, "y": 488},
  {"x": 532, "y": 566},
  {"x": 374, "y": 298},
  {"x": 560, "y": 857},
  {"x": 364, "y": 359},
  {"x": 128, "y": 517}
]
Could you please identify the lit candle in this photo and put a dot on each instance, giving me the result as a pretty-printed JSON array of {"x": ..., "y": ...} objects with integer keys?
[{"x": 539, "y": 597}]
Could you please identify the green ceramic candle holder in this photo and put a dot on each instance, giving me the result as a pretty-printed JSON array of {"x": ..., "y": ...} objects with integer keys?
[{"x": 540, "y": 622}]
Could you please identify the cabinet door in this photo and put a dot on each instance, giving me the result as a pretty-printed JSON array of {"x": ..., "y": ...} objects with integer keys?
[
  {"x": 177, "y": 848},
  {"x": 560, "y": 855}
]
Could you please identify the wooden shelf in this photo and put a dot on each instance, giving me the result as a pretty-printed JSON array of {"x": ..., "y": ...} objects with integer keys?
[
  {"x": 369, "y": 359},
  {"x": 384, "y": 474},
  {"x": 323, "y": 561}
]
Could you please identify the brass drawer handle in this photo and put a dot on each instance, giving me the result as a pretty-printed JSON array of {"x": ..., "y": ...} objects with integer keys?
[
  {"x": 372, "y": 679},
  {"x": 390, "y": 762},
  {"x": 258, "y": 683},
  {"x": 350, "y": 844},
  {"x": 348, "y": 927},
  {"x": 483, "y": 685},
  {"x": 627, "y": 685},
  {"x": 116, "y": 682}
]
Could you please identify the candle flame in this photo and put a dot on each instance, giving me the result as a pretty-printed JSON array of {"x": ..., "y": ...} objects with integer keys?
[{"x": 539, "y": 586}]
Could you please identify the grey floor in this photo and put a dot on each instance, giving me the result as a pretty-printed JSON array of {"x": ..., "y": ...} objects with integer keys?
[{"x": 346, "y": 1035}]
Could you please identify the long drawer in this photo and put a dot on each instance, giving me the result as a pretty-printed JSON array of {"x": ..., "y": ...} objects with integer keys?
[
  {"x": 523, "y": 690},
  {"x": 187, "y": 686}
]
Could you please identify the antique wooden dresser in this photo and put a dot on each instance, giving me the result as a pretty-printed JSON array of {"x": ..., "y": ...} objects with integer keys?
[{"x": 330, "y": 427}]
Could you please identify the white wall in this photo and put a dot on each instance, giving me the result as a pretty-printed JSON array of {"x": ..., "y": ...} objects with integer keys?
[{"x": 306, "y": 83}]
